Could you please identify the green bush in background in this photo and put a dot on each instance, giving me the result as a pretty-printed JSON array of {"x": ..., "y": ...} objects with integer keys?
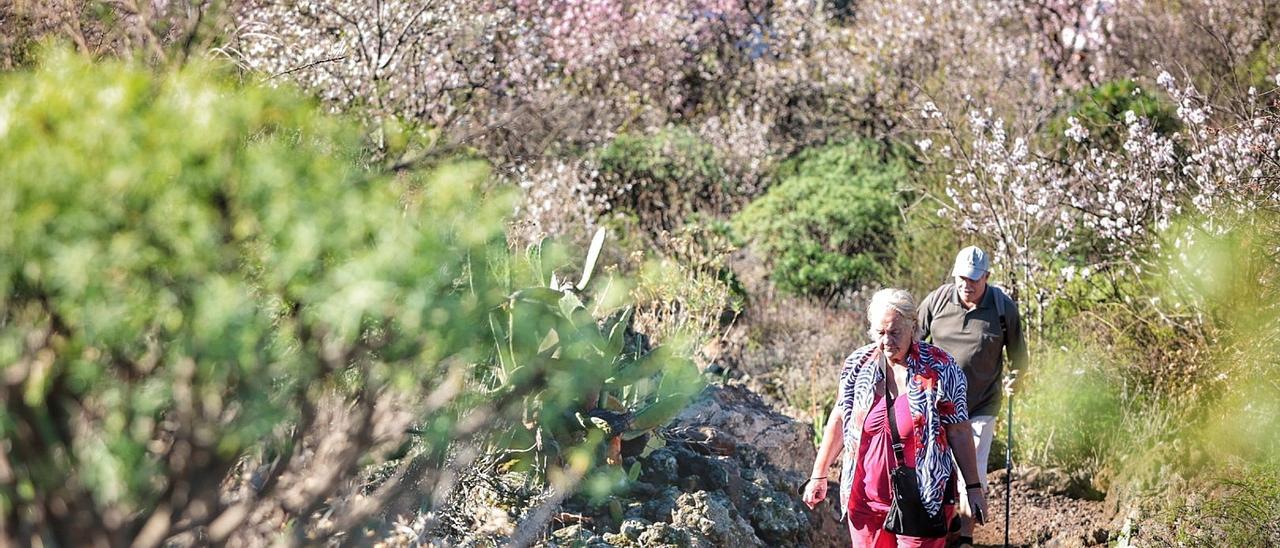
[
  {"x": 1101, "y": 110},
  {"x": 828, "y": 225},
  {"x": 663, "y": 178}
]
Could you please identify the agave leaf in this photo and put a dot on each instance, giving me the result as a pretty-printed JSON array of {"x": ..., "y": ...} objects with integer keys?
[
  {"x": 617, "y": 333},
  {"x": 680, "y": 377},
  {"x": 632, "y": 434},
  {"x": 538, "y": 295},
  {"x": 612, "y": 403},
  {"x": 550, "y": 342},
  {"x": 655, "y": 443},
  {"x": 593, "y": 254},
  {"x": 534, "y": 255},
  {"x": 506, "y": 360}
]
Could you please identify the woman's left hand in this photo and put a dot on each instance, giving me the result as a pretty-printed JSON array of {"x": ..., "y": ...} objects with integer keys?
[
  {"x": 974, "y": 506},
  {"x": 815, "y": 491}
]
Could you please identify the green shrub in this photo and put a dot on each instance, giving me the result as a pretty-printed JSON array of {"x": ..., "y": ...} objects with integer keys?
[
  {"x": 1101, "y": 110},
  {"x": 1235, "y": 278},
  {"x": 828, "y": 225}
]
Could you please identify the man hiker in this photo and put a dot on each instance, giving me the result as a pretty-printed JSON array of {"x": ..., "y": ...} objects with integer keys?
[{"x": 974, "y": 321}]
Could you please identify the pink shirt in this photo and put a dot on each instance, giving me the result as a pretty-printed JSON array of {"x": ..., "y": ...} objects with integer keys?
[
  {"x": 936, "y": 394},
  {"x": 871, "y": 489}
]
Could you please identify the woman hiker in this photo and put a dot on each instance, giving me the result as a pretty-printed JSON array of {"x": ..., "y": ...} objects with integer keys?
[{"x": 929, "y": 407}]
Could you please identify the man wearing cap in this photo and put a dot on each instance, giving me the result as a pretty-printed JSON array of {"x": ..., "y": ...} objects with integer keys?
[{"x": 974, "y": 321}]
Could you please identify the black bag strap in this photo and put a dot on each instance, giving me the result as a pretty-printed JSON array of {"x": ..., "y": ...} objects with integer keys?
[
  {"x": 899, "y": 457},
  {"x": 999, "y": 296}
]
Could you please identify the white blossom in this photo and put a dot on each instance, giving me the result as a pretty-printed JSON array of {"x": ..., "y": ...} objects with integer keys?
[{"x": 1075, "y": 131}]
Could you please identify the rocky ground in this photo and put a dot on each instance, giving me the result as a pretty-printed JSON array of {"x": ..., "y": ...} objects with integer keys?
[
  {"x": 728, "y": 475},
  {"x": 728, "y": 472}
]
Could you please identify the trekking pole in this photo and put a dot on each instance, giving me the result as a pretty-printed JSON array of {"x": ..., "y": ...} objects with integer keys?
[{"x": 1008, "y": 468}]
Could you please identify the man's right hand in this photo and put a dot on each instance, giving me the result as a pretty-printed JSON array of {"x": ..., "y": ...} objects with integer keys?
[
  {"x": 815, "y": 492},
  {"x": 1010, "y": 382}
]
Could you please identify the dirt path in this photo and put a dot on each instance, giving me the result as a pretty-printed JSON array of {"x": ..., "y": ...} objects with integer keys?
[{"x": 1041, "y": 518}]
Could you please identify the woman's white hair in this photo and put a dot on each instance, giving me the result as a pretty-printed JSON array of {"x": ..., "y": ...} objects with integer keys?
[{"x": 891, "y": 299}]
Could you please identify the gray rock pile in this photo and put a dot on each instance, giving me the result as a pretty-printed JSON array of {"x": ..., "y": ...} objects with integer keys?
[{"x": 728, "y": 475}]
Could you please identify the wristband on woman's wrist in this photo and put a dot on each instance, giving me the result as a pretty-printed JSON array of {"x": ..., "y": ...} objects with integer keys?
[
  {"x": 972, "y": 486},
  {"x": 817, "y": 478}
]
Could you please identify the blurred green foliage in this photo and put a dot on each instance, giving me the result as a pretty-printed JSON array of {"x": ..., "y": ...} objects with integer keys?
[
  {"x": 1071, "y": 411},
  {"x": 1235, "y": 279},
  {"x": 828, "y": 225},
  {"x": 175, "y": 231},
  {"x": 1159, "y": 387},
  {"x": 190, "y": 264}
]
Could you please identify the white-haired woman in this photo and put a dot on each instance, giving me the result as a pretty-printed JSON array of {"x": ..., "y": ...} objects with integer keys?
[{"x": 930, "y": 412}]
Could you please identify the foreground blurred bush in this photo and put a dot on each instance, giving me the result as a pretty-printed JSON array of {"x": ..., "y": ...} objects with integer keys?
[
  {"x": 1073, "y": 412},
  {"x": 1178, "y": 427},
  {"x": 189, "y": 269},
  {"x": 215, "y": 320}
]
